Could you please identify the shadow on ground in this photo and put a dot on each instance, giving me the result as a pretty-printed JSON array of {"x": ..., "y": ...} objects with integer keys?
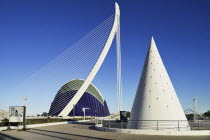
[
  {"x": 7, "y": 137},
  {"x": 47, "y": 133}
]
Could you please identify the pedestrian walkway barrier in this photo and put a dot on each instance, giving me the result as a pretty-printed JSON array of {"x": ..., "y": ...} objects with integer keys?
[{"x": 157, "y": 124}]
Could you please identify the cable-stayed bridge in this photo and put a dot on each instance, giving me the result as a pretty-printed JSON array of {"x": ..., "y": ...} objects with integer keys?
[{"x": 82, "y": 60}]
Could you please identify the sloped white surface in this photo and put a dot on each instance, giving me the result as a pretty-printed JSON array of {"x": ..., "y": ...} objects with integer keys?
[{"x": 155, "y": 98}]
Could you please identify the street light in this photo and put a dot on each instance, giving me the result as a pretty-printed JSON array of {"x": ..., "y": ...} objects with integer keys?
[
  {"x": 83, "y": 109},
  {"x": 25, "y": 100}
]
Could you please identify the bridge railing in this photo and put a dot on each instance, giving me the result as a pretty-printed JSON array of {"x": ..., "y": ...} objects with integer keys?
[{"x": 156, "y": 124}]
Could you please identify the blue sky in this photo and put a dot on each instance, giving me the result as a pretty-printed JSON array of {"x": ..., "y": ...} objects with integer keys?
[{"x": 34, "y": 32}]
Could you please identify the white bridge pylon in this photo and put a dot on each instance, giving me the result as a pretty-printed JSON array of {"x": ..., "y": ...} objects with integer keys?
[{"x": 97, "y": 66}]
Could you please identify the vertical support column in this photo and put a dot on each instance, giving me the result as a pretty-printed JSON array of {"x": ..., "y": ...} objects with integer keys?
[
  {"x": 74, "y": 112},
  {"x": 24, "y": 118},
  {"x": 109, "y": 123},
  {"x": 8, "y": 127},
  {"x": 84, "y": 114},
  {"x": 178, "y": 125},
  {"x": 119, "y": 82}
]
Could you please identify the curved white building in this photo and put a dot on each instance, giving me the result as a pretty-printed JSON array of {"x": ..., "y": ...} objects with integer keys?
[{"x": 156, "y": 104}]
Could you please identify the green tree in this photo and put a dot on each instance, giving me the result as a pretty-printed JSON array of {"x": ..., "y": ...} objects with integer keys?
[
  {"x": 207, "y": 114},
  {"x": 190, "y": 116},
  {"x": 128, "y": 114}
]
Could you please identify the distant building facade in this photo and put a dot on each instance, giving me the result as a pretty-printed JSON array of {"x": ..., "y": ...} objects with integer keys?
[{"x": 4, "y": 114}]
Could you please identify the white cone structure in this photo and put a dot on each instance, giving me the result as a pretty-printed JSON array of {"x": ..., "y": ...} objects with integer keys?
[{"x": 156, "y": 105}]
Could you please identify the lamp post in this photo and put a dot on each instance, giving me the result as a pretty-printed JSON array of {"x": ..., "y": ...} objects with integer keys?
[
  {"x": 83, "y": 109},
  {"x": 25, "y": 100}
]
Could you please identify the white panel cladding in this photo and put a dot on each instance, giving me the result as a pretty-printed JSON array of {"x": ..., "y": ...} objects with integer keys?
[{"x": 156, "y": 98}]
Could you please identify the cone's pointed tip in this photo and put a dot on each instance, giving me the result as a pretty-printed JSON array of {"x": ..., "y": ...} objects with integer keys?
[
  {"x": 152, "y": 39},
  {"x": 152, "y": 43}
]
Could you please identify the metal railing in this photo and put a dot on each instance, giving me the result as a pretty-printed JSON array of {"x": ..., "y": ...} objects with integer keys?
[
  {"x": 156, "y": 124},
  {"x": 5, "y": 122}
]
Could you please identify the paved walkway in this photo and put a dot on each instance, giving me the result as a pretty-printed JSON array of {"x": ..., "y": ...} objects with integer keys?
[{"x": 81, "y": 132}]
